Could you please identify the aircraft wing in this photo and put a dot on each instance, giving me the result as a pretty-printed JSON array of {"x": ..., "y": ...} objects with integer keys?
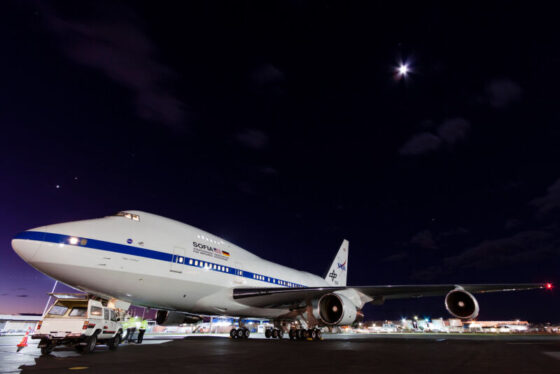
[{"x": 296, "y": 297}]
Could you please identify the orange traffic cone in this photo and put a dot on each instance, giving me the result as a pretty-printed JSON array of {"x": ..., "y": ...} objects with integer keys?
[{"x": 23, "y": 342}]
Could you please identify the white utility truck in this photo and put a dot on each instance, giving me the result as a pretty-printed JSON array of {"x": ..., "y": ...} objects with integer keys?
[{"x": 81, "y": 321}]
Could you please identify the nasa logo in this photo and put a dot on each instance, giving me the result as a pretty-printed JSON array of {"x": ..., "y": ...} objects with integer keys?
[
  {"x": 342, "y": 266},
  {"x": 129, "y": 241}
]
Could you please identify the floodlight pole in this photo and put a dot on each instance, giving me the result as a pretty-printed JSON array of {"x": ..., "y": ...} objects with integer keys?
[{"x": 49, "y": 300}]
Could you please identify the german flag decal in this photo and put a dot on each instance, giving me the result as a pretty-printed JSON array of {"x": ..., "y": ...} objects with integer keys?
[{"x": 225, "y": 253}]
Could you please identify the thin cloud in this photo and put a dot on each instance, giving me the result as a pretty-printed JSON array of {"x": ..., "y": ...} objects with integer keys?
[
  {"x": 420, "y": 143},
  {"x": 252, "y": 138},
  {"x": 501, "y": 93},
  {"x": 450, "y": 132},
  {"x": 399, "y": 256},
  {"x": 454, "y": 130},
  {"x": 266, "y": 75},
  {"x": 550, "y": 201},
  {"x": 525, "y": 247},
  {"x": 424, "y": 239},
  {"x": 123, "y": 52}
]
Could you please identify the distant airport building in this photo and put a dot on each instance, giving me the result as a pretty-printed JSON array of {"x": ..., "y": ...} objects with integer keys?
[{"x": 17, "y": 324}]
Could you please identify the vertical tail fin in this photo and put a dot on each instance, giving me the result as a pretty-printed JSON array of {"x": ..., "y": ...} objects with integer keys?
[{"x": 338, "y": 271}]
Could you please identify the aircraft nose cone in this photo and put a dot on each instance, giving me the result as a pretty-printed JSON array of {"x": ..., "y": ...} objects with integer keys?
[{"x": 26, "y": 244}]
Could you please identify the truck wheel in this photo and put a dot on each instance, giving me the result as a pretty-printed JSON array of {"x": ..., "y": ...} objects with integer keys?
[
  {"x": 114, "y": 343},
  {"x": 92, "y": 341},
  {"x": 47, "y": 350}
]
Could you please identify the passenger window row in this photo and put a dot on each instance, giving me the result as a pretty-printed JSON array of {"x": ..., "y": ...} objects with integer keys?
[{"x": 224, "y": 269}]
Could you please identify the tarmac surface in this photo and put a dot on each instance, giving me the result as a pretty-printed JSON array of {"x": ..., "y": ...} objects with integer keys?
[{"x": 387, "y": 353}]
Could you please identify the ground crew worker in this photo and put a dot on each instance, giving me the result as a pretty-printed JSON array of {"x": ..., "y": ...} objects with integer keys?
[
  {"x": 142, "y": 330},
  {"x": 131, "y": 328}
]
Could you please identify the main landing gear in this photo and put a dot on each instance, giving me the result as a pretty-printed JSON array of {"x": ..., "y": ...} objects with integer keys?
[
  {"x": 240, "y": 333},
  {"x": 274, "y": 333},
  {"x": 303, "y": 334}
]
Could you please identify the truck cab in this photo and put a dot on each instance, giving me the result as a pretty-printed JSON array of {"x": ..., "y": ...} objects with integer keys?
[{"x": 80, "y": 321}]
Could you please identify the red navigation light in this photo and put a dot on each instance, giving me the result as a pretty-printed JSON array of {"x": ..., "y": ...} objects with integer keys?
[{"x": 548, "y": 286}]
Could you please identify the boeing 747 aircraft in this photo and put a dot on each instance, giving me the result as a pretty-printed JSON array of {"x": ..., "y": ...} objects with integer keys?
[{"x": 184, "y": 272}]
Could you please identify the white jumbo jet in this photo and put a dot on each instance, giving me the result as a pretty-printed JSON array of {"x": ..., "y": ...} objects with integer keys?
[{"x": 184, "y": 273}]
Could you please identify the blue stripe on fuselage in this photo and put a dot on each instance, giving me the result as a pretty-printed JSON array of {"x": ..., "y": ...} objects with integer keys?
[
  {"x": 151, "y": 254},
  {"x": 95, "y": 244}
]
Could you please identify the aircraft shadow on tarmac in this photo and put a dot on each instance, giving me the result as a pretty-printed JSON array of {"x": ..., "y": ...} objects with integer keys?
[{"x": 219, "y": 355}]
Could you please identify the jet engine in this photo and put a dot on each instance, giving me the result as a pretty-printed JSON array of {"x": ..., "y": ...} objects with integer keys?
[
  {"x": 333, "y": 309},
  {"x": 461, "y": 304},
  {"x": 166, "y": 318}
]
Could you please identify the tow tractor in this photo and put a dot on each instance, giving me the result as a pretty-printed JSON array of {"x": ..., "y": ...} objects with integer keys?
[{"x": 81, "y": 321}]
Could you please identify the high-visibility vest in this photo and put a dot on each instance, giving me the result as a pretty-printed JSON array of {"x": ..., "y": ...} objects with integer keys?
[{"x": 144, "y": 325}]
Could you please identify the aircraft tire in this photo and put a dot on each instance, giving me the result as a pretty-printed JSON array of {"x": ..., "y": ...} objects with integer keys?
[
  {"x": 233, "y": 333},
  {"x": 318, "y": 334},
  {"x": 246, "y": 333},
  {"x": 312, "y": 334},
  {"x": 240, "y": 333},
  {"x": 293, "y": 334},
  {"x": 280, "y": 334},
  {"x": 275, "y": 334},
  {"x": 268, "y": 333}
]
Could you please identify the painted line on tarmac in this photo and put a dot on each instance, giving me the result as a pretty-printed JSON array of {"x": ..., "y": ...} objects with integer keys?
[{"x": 555, "y": 355}]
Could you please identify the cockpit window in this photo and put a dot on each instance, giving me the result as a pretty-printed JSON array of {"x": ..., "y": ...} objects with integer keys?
[{"x": 134, "y": 217}]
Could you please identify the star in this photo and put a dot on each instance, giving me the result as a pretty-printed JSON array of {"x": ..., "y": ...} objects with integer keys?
[{"x": 402, "y": 71}]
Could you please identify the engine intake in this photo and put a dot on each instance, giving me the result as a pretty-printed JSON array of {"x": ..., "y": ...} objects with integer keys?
[
  {"x": 333, "y": 309},
  {"x": 166, "y": 318},
  {"x": 461, "y": 304}
]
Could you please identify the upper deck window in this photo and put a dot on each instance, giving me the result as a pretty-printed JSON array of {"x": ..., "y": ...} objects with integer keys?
[{"x": 134, "y": 217}]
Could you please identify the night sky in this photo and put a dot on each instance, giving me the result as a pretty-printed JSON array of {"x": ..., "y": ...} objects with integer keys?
[{"x": 282, "y": 127}]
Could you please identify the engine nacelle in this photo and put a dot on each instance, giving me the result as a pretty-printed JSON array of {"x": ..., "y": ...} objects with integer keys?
[
  {"x": 333, "y": 309},
  {"x": 165, "y": 318},
  {"x": 461, "y": 304}
]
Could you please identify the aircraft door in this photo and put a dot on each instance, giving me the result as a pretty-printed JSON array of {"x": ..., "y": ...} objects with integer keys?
[
  {"x": 178, "y": 262},
  {"x": 239, "y": 279}
]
